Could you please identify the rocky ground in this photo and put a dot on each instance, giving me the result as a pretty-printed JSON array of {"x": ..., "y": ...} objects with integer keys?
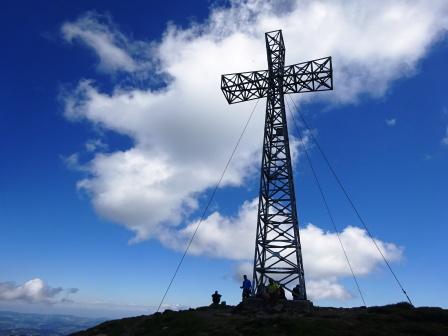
[{"x": 281, "y": 319}]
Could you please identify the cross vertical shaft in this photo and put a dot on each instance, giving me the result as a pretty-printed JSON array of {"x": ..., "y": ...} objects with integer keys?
[{"x": 278, "y": 253}]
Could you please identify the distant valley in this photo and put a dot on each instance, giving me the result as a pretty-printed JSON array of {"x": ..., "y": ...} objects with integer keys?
[{"x": 23, "y": 324}]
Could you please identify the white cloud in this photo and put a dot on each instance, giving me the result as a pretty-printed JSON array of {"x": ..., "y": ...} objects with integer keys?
[
  {"x": 183, "y": 132},
  {"x": 326, "y": 258},
  {"x": 93, "y": 145},
  {"x": 326, "y": 289},
  {"x": 242, "y": 268},
  {"x": 33, "y": 291},
  {"x": 324, "y": 261},
  {"x": 72, "y": 162},
  {"x": 114, "y": 50},
  {"x": 445, "y": 138},
  {"x": 391, "y": 122},
  {"x": 220, "y": 236}
]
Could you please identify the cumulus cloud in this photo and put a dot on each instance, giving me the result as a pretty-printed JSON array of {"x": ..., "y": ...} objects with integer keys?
[
  {"x": 116, "y": 52},
  {"x": 324, "y": 260},
  {"x": 326, "y": 289},
  {"x": 391, "y": 122},
  {"x": 183, "y": 131},
  {"x": 220, "y": 236},
  {"x": 33, "y": 291}
]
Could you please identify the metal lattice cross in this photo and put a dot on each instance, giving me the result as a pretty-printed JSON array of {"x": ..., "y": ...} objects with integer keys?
[{"x": 278, "y": 253}]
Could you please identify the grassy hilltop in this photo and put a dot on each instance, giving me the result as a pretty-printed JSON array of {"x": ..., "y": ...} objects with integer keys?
[{"x": 398, "y": 319}]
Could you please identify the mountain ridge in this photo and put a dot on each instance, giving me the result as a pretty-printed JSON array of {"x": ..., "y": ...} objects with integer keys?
[{"x": 275, "y": 319}]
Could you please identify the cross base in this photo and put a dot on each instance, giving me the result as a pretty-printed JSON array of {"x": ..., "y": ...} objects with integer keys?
[{"x": 258, "y": 305}]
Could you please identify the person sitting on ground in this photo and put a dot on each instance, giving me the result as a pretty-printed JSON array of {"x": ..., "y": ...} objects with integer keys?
[
  {"x": 296, "y": 293},
  {"x": 216, "y": 298},
  {"x": 272, "y": 290},
  {"x": 246, "y": 287},
  {"x": 281, "y": 293}
]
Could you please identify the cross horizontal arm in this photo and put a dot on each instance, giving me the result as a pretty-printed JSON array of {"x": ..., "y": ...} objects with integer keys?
[
  {"x": 316, "y": 75},
  {"x": 244, "y": 86}
]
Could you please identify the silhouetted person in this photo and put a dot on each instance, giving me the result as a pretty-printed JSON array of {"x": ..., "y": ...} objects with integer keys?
[
  {"x": 296, "y": 292},
  {"x": 216, "y": 297},
  {"x": 246, "y": 287},
  {"x": 281, "y": 293},
  {"x": 272, "y": 290}
]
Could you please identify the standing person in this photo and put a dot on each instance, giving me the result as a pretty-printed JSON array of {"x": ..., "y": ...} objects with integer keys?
[
  {"x": 246, "y": 287},
  {"x": 216, "y": 298}
]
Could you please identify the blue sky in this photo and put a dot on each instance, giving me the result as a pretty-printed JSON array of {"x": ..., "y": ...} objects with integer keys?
[{"x": 113, "y": 130}]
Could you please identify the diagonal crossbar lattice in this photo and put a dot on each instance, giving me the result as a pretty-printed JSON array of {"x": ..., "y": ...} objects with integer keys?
[
  {"x": 309, "y": 76},
  {"x": 278, "y": 253}
]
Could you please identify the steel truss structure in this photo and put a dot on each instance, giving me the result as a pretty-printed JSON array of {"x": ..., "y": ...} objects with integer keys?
[{"x": 278, "y": 253}]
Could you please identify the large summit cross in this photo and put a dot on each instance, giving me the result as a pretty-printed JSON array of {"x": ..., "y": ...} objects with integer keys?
[{"x": 278, "y": 253}]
